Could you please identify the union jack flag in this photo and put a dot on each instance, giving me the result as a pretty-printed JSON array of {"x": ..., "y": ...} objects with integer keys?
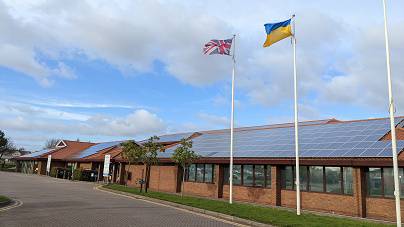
[{"x": 216, "y": 46}]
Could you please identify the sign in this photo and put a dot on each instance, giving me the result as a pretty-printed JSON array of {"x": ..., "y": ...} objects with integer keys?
[
  {"x": 107, "y": 160},
  {"x": 48, "y": 164}
]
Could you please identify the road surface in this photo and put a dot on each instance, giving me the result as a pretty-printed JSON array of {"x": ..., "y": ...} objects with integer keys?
[{"x": 54, "y": 202}]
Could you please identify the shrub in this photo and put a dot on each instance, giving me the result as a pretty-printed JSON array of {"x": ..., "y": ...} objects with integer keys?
[
  {"x": 77, "y": 174},
  {"x": 53, "y": 172}
]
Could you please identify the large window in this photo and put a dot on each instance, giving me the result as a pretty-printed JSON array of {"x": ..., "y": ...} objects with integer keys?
[
  {"x": 319, "y": 179},
  {"x": 347, "y": 179},
  {"x": 333, "y": 179},
  {"x": 200, "y": 173},
  {"x": 316, "y": 179},
  {"x": 249, "y": 175},
  {"x": 380, "y": 182}
]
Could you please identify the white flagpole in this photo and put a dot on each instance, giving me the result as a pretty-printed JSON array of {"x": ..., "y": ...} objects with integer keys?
[
  {"x": 392, "y": 124},
  {"x": 232, "y": 123},
  {"x": 296, "y": 122}
]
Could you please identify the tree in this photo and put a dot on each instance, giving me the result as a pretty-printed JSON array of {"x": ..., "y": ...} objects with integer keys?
[
  {"x": 51, "y": 143},
  {"x": 184, "y": 156},
  {"x": 151, "y": 149},
  {"x": 6, "y": 146},
  {"x": 132, "y": 152}
]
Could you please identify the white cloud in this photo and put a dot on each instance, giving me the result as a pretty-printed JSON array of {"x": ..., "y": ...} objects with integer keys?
[
  {"x": 140, "y": 122},
  {"x": 214, "y": 120}
]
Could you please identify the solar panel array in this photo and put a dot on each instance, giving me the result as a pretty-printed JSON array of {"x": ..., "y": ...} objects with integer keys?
[
  {"x": 348, "y": 139},
  {"x": 96, "y": 148},
  {"x": 35, "y": 154},
  {"x": 172, "y": 137}
]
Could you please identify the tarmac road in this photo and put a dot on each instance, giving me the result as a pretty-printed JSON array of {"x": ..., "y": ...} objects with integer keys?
[{"x": 54, "y": 202}]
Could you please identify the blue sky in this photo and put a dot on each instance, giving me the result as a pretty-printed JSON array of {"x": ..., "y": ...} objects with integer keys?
[{"x": 105, "y": 70}]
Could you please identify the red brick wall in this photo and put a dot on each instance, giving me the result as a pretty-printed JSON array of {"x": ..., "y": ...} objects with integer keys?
[
  {"x": 136, "y": 171},
  {"x": 163, "y": 178},
  {"x": 380, "y": 208},
  {"x": 342, "y": 204},
  {"x": 201, "y": 189},
  {"x": 250, "y": 194}
]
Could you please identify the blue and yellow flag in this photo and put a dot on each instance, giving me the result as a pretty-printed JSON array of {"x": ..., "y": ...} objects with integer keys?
[{"x": 277, "y": 31}]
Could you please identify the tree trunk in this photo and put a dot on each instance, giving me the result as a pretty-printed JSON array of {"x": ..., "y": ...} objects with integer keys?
[
  {"x": 127, "y": 174},
  {"x": 147, "y": 177},
  {"x": 183, "y": 181}
]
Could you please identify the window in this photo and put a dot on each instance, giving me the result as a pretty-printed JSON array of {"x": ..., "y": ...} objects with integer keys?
[
  {"x": 347, "y": 180},
  {"x": 248, "y": 175},
  {"x": 374, "y": 181},
  {"x": 287, "y": 177},
  {"x": 316, "y": 179},
  {"x": 200, "y": 173},
  {"x": 268, "y": 176},
  {"x": 208, "y": 173},
  {"x": 333, "y": 179},
  {"x": 303, "y": 176},
  {"x": 259, "y": 175},
  {"x": 191, "y": 172},
  {"x": 236, "y": 174}
]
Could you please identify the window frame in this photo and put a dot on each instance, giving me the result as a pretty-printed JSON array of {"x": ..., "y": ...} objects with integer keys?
[
  {"x": 266, "y": 183},
  {"x": 341, "y": 178},
  {"x": 204, "y": 173},
  {"x": 382, "y": 194}
]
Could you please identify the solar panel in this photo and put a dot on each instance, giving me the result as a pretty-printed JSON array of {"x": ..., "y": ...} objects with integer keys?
[
  {"x": 36, "y": 153},
  {"x": 350, "y": 139},
  {"x": 172, "y": 137},
  {"x": 96, "y": 148}
]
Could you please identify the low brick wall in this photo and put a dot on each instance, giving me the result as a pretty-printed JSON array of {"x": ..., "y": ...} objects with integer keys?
[
  {"x": 382, "y": 208},
  {"x": 200, "y": 189},
  {"x": 250, "y": 194}
]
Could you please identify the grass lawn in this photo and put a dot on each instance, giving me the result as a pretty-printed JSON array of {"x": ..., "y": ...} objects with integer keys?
[
  {"x": 3, "y": 199},
  {"x": 274, "y": 216}
]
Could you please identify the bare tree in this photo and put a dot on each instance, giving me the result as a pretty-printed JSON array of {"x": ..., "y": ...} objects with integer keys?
[
  {"x": 6, "y": 147},
  {"x": 51, "y": 143}
]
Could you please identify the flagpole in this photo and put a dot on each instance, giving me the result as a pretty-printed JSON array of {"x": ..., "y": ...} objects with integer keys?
[
  {"x": 232, "y": 122},
  {"x": 297, "y": 169},
  {"x": 392, "y": 123}
]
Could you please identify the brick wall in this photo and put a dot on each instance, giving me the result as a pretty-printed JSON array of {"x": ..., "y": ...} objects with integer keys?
[
  {"x": 250, "y": 194},
  {"x": 136, "y": 171},
  {"x": 333, "y": 203},
  {"x": 381, "y": 208},
  {"x": 201, "y": 189},
  {"x": 163, "y": 178},
  {"x": 42, "y": 167}
]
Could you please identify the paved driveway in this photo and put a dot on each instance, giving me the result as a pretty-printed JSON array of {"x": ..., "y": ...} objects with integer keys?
[{"x": 53, "y": 202}]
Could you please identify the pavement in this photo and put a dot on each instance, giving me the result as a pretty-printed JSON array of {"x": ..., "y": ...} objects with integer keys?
[{"x": 45, "y": 201}]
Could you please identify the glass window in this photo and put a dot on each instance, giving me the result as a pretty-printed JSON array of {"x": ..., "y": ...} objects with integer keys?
[
  {"x": 333, "y": 179},
  {"x": 248, "y": 175},
  {"x": 316, "y": 178},
  {"x": 191, "y": 172},
  {"x": 259, "y": 173},
  {"x": 268, "y": 177},
  {"x": 388, "y": 181},
  {"x": 199, "y": 172},
  {"x": 374, "y": 181},
  {"x": 303, "y": 178},
  {"x": 348, "y": 180},
  {"x": 401, "y": 179},
  {"x": 226, "y": 175},
  {"x": 236, "y": 174},
  {"x": 287, "y": 177},
  {"x": 208, "y": 173}
]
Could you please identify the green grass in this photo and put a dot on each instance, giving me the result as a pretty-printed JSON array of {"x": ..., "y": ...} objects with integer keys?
[
  {"x": 274, "y": 216},
  {"x": 3, "y": 199}
]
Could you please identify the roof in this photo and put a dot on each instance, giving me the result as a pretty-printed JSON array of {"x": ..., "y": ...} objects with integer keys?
[
  {"x": 317, "y": 139},
  {"x": 67, "y": 152},
  {"x": 172, "y": 138},
  {"x": 95, "y": 148}
]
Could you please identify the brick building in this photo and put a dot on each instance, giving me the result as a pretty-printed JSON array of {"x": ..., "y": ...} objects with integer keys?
[{"x": 346, "y": 166}]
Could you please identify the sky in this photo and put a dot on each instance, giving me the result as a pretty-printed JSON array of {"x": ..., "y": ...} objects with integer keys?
[{"x": 113, "y": 70}]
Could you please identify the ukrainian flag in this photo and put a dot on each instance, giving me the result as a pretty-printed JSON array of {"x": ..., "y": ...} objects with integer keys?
[{"x": 277, "y": 31}]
